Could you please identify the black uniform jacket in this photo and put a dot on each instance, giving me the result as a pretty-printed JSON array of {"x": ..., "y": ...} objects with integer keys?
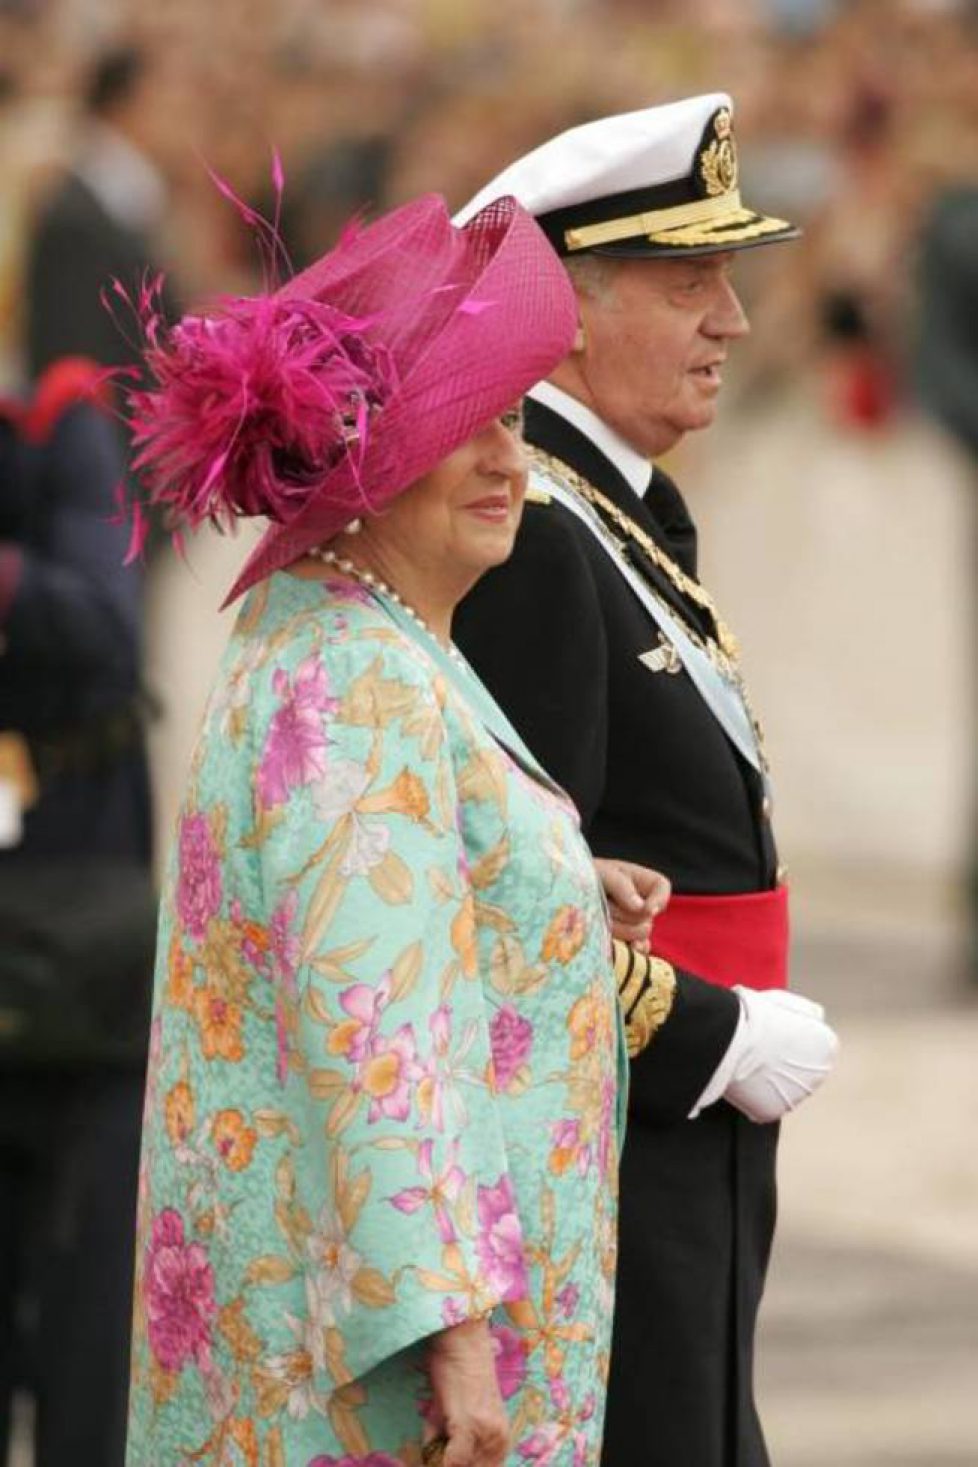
[
  {"x": 557, "y": 634},
  {"x": 76, "y": 251}
]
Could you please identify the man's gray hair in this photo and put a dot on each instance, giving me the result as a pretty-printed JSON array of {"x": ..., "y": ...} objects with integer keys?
[{"x": 592, "y": 275}]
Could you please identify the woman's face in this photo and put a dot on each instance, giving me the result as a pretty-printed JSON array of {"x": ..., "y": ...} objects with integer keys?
[{"x": 461, "y": 518}]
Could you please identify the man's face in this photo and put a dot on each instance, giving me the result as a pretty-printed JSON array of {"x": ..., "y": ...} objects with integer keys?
[{"x": 655, "y": 339}]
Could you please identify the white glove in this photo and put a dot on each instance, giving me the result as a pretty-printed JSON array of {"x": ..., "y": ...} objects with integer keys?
[{"x": 781, "y": 1052}]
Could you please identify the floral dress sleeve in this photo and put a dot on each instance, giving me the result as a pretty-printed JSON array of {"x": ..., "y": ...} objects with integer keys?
[{"x": 324, "y": 1032}]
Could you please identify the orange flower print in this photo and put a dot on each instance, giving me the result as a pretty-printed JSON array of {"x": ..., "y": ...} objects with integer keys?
[
  {"x": 255, "y": 942},
  {"x": 565, "y": 935},
  {"x": 389, "y": 1075},
  {"x": 179, "y": 977},
  {"x": 234, "y": 1139},
  {"x": 566, "y": 1145},
  {"x": 464, "y": 936},
  {"x": 245, "y": 1438},
  {"x": 219, "y": 1021},
  {"x": 410, "y": 797},
  {"x": 180, "y": 1112},
  {"x": 222, "y": 959}
]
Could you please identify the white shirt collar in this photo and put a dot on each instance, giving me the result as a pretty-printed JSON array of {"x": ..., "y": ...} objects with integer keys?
[
  {"x": 632, "y": 465},
  {"x": 127, "y": 185}
]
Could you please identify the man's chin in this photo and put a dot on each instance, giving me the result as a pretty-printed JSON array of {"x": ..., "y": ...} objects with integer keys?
[{"x": 703, "y": 415}]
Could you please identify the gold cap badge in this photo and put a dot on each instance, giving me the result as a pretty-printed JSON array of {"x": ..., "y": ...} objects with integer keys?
[{"x": 717, "y": 162}]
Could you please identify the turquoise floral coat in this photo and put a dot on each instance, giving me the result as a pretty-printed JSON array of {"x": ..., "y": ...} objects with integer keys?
[{"x": 385, "y": 1077}]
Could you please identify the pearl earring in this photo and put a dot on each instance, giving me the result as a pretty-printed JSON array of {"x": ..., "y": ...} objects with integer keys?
[{"x": 353, "y": 528}]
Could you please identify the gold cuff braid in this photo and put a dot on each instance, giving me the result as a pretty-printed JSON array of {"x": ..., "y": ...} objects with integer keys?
[{"x": 646, "y": 990}]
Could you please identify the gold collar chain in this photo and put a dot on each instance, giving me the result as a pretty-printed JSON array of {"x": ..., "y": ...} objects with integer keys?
[
  {"x": 722, "y": 650},
  {"x": 683, "y": 583}
]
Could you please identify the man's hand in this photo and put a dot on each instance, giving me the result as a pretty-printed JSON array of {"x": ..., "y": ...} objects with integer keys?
[
  {"x": 636, "y": 895},
  {"x": 785, "y": 1052},
  {"x": 467, "y": 1412}
]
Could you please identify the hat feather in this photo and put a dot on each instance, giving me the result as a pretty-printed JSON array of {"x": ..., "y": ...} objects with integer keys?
[{"x": 252, "y": 405}]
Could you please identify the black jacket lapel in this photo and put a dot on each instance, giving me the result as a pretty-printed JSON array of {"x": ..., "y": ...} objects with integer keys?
[{"x": 545, "y": 429}]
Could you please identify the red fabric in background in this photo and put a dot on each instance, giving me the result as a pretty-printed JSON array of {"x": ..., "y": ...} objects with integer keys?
[{"x": 727, "y": 939}]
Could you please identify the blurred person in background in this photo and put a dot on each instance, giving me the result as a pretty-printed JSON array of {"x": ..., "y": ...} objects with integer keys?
[
  {"x": 334, "y": 182},
  {"x": 947, "y": 363},
  {"x": 101, "y": 220},
  {"x": 616, "y": 666},
  {"x": 76, "y": 921}
]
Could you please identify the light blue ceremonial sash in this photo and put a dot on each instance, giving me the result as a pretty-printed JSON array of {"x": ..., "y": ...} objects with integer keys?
[{"x": 720, "y": 693}]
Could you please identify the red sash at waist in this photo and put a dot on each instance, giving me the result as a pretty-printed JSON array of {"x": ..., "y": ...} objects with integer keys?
[{"x": 727, "y": 939}]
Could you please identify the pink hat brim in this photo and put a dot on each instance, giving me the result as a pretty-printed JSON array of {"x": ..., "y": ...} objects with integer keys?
[{"x": 473, "y": 317}]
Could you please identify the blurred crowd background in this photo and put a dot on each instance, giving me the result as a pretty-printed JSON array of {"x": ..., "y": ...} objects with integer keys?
[{"x": 835, "y": 496}]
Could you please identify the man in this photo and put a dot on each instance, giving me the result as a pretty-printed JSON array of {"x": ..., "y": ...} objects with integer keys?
[
  {"x": 100, "y": 221},
  {"x": 618, "y": 669}
]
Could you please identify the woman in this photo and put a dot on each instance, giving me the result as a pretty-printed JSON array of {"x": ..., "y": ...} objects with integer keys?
[{"x": 385, "y": 1084}]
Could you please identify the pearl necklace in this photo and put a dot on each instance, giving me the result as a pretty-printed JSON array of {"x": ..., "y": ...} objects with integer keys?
[{"x": 374, "y": 583}]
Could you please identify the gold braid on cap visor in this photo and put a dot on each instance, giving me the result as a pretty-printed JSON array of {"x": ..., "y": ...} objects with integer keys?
[{"x": 680, "y": 225}]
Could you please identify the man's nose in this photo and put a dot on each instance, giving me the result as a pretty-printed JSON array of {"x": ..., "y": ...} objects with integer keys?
[{"x": 727, "y": 316}]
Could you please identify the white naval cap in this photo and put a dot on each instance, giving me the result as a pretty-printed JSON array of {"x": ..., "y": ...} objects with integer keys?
[{"x": 661, "y": 181}]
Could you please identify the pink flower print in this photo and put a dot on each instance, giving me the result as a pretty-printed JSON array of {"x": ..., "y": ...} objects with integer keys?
[
  {"x": 284, "y": 948},
  {"x": 342, "y": 589},
  {"x": 567, "y": 1148},
  {"x": 453, "y": 1312},
  {"x": 500, "y": 1241},
  {"x": 284, "y": 942},
  {"x": 606, "y": 1123},
  {"x": 568, "y": 1300},
  {"x": 388, "y": 1075},
  {"x": 295, "y": 746},
  {"x": 512, "y": 1038},
  {"x": 437, "y": 1071},
  {"x": 199, "y": 881},
  {"x": 372, "y": 1459},
  {"x": 559, "y": 1394},
  {"x": 178, "y": 1289},
  {"x": 363, "y": 1003},
  {"x": 442, "y": 1191},
  {"x": 542, "y": 1446},
  {"x": 510, "y": 1350}
]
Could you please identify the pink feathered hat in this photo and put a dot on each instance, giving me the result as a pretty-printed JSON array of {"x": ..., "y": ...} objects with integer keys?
[{"x": 323, "y": 400}]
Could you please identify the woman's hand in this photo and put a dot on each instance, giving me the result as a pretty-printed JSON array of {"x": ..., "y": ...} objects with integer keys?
[
  {"x": 467, "y": 1410},
  {"x": 636, "y": 895}
]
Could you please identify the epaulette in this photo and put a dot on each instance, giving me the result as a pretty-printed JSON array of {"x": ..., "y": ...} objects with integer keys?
[{"x": 646, "y": 990}]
